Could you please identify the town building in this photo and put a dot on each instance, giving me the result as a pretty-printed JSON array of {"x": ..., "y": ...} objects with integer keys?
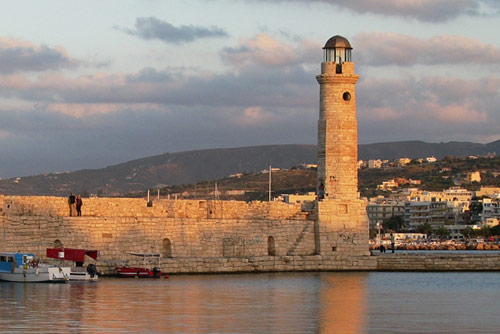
[
  {"x": 403, "y": 161},
  {"x": 374, "y": 163},
  {"x": 473, "y": 177},
  {"x": 381, "y": 209}
]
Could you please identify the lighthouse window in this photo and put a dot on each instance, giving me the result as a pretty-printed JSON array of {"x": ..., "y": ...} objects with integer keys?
[
  {"x": 348, "y": 55},
  {"x": 346, "y": 96}
]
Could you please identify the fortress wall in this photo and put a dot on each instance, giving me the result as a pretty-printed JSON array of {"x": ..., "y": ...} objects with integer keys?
[
  {"x": 51, "y": 206},
  {"x": 192, "y": 244},
  {"x": 183, "y": 231}
]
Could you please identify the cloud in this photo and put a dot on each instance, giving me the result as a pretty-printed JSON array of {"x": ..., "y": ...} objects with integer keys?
[
  {"x": 382, "y": 49},
  {"x": 154, "y": 28},
  {"x": 250, "y": 86},
  {"x": 84, "y": 110},
  {"x": 116, "y": 116},
  {"x": 267, "y": 51},
  {"x": 431, "y": 109},
  {"x": 19, "y": 56},
  {"x": 253, "y": 116},
  {"x": 422, "y": 10}
]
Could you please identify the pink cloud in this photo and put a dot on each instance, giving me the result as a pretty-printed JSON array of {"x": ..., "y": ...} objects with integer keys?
[
  {"x": 384, "y": 113},
  {"x": 442, "y": 100},
  {"x": 266, "y": 50},
  {"x": 388, "y": 48},
  {"x": 4, "y": 134},
  {"x": 422, "y": 10},
  {"x": 454, "y": 113},
  {"x": 253, "y": 116},
  {"x": 81, "y": 110}
]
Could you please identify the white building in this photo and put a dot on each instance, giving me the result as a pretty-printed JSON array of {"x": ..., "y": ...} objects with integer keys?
[{"x": 375, "y": 163}]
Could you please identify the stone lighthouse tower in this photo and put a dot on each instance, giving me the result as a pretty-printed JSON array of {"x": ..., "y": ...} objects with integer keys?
[{"x": 342, "y": 226}]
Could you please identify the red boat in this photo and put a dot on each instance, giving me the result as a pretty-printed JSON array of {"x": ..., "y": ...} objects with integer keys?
[{"x": 138, "y": 272}]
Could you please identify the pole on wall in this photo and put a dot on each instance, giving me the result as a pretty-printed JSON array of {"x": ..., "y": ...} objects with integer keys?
[{"x": 270, "y": 168}]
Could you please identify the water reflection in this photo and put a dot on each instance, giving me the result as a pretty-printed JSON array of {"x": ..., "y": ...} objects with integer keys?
[
  {"x": 342, "y": 300},
  {"x": 262, "y": 303}
]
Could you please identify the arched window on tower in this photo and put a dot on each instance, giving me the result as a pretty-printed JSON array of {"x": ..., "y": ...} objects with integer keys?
[{"x": 271, "y": 247}]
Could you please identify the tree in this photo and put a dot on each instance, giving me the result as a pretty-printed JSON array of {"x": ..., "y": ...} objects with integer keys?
[
  {"x": 495, "y": 230},
  {"x": 394, "y": 223},
  {"x": 442, "y": 232},
  {"x": 468, "y": 232},
  {"x": 424, "y": 228},
  {"x": 485, "y": 231},
  {"x": 475, "y": 208}
]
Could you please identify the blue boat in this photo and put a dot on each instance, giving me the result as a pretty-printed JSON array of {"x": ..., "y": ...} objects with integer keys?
[{"x": 24, "y": 267}]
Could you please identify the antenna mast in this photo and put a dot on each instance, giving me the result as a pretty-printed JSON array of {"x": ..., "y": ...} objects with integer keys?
[{"x": 270, "y": 169}]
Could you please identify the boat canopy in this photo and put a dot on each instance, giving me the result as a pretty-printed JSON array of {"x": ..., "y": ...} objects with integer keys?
[
  {"x": 71, "y": 254},
  {"x": 145, "y": 254}
]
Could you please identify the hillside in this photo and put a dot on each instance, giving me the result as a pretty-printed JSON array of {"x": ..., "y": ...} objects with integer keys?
[
  {"x": 194, "y": 166},
  {"x": 434, "y": 177},
  {"x": 419, "y": 149},
  {"x": 161, "y": 170}
]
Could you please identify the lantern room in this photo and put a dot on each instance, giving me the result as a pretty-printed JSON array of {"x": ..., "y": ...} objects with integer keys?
[{"x": 338, "y": 50}]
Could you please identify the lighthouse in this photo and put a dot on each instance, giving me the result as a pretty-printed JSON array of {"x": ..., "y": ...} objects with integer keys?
[
  {"x": 342, "y": 225},
  {"x": 337, "y": 124}
]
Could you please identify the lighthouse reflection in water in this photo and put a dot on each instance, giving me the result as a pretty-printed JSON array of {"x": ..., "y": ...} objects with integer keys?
[{"x": 259, "y": 303}]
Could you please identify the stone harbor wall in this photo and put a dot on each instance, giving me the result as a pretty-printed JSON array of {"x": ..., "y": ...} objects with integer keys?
[
  {"x": 476, "y": 261},
  {"x": 210, "y": 236},
  {"x": 184, "y": 232}
]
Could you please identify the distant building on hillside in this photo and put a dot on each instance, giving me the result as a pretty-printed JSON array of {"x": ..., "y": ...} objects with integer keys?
[
  {"x": 403, "y": 161},
  {"x": 375, "y": 163},
  {"x": 473, "y": 177},
  {"x": 488, "y": 191}
]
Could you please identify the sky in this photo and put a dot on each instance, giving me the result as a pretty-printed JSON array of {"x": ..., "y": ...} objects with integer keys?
[{"x": 89, "y": 84}]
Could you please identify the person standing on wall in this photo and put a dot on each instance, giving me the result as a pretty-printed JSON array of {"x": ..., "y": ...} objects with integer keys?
[
  {"x": 79, "y": 204},
  {"x": 71, "y": 203},
  {"x": 393, "y": 242}
]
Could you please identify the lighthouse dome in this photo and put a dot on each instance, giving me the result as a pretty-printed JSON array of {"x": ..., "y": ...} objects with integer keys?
[
  {"x": 337, "y": 49},
  {"x": 337, "y": 41}
]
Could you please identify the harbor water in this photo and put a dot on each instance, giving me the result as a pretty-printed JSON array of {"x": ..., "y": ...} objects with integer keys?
[{"x": 352, "y": 302}]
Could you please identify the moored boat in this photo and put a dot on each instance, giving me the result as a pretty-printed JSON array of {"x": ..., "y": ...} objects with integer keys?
[
  {"x": 24, "y": 267},
  {"x": 141, "y": 272},
  {"x": 78, "y": 271}
]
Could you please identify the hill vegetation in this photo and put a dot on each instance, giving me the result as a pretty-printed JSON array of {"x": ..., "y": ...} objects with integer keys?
[
  {"x": 196, "y": 167},
  {"x": 434, "y": 177}
]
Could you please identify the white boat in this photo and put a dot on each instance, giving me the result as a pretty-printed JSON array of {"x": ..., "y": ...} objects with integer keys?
[
  {"x": 23, "y": 267},
  {"x": 78, "y": 271}
]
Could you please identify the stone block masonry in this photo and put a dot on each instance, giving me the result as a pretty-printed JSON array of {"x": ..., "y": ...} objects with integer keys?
[
  {"x": 184, "y": 232},
  {"x": 439, "y": 262},
  {"x": 252, "y": 237}
]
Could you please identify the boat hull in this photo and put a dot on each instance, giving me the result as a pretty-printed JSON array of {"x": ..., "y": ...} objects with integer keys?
[
  {"x": 138, "y": 272},
  {"x": 37, "y": 275},
  {"x": 81, "y": 274}
]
